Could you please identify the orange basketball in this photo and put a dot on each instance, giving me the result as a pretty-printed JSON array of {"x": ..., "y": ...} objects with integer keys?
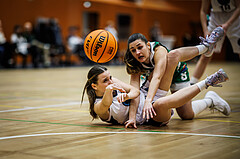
[{"x": 100, "y": 46}]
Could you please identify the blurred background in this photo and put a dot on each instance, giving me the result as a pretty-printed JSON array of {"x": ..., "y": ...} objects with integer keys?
[{"x": 50, "y": 33}]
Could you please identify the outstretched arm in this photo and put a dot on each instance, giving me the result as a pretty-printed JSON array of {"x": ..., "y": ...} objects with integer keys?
[
  {"x": 160, "y": 59},
  {"x": 135, "y": 82}
]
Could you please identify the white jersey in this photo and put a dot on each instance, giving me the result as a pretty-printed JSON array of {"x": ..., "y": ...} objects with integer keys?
[
  {"x": 119, "y": 112},
  {"x": 223, "y": 6}
]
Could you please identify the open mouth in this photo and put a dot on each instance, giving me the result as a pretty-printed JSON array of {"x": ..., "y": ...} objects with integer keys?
[{"x": 140, "y": 57}]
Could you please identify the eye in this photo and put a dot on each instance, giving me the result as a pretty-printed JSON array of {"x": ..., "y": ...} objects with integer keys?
[
  {"x": 105, "y": 80},
  {"x": 140, "y": 47},
  {"x": 133, "y": 50}
]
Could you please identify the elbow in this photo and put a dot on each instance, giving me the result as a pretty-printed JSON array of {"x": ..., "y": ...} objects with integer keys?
[{"x": 137, "y": 93}]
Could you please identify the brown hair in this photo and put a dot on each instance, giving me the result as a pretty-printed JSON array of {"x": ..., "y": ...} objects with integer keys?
[
  {"x": 92, "y": 78},
  {"x": 133, "y": 65}
]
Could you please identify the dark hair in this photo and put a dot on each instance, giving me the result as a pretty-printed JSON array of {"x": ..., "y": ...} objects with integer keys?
[
  {"x": 92, "y": 78},
  {"x": 133, "y": 65}
]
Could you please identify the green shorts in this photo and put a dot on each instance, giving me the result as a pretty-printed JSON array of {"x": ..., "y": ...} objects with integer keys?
[{"x": 181, "y": 73}]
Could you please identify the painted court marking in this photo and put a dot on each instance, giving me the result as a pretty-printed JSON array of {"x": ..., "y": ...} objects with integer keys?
[
  {"x": 111, "y": 132},
  {"x": 138, "y": 132},
  {"x": 40, "y": 107}
]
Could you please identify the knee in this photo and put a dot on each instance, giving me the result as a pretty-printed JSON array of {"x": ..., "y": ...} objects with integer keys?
[
  {"x": 174, "y": 56},
  {"x": 161, "y": 104}
]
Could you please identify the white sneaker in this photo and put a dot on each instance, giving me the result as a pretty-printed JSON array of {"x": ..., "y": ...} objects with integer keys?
[
  {"x": 211, "y": 40},
  {"x": 218, "y": 103}
]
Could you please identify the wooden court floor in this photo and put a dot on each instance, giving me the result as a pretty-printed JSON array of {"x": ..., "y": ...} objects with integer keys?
[{"x": 41, "y": 118}]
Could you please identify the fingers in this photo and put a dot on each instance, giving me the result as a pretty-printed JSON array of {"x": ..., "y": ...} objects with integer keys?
[
  {"x": 129, "y": 124},
  {"x": 121, "y": 97},
  {"x": 144, "y": 114},
  {"x": 116, "y": 86},
  {"x": 149, "y": 113},
  {"x": 154, "y": 113}
]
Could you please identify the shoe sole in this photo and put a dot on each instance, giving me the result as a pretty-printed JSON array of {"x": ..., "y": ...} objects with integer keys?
[
  {"x": 220, "y": 37},
  {"x": 224, "y": 74}
]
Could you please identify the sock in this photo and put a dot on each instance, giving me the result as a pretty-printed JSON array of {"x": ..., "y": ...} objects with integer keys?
[
  {"x": 201, "y": 85},
  {"x": 193, "y": 80},
  {"x": 201, "y": 49},
  {"x": 200, "y": 105}
]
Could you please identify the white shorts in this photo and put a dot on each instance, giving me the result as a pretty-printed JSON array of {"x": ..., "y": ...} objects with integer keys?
[
  {"x": 177, "y": 86},
  {"x": 160, "y": 93},
  {"x": 233, "y": 33}
]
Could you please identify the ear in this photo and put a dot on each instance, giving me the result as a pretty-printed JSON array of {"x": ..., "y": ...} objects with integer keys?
[
  {"x": 94, "y": 86},
  {"x": 148, "y": 45}
]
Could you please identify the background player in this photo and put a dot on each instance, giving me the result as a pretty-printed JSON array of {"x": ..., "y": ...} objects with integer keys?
[{"x": 225, "y": 13}]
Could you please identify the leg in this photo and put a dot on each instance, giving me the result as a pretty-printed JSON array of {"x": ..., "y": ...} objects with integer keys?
[
  {"x": 206, "y": 47},
  {"x": 185, "y": 112},
  {"x": 164, "y": 105},
  {"x": 173, "y": 59},
  {"x": 200, "y": 68},
  {"x": 188, "y": 53},
  {"x": 172, "y": 62}
]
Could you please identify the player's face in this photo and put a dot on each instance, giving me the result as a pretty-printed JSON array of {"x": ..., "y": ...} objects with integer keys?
[
  {"x": 140, "y": 50},
  {"x": 104, "y": 79}
]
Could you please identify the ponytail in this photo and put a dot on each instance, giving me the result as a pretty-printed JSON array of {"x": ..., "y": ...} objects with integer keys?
[{"x": 92, "y": 78}]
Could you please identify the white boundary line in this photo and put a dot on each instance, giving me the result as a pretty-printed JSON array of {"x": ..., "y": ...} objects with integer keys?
[
  {"x": 80, "y": 133},
  {"x": 39, "y": 107}
]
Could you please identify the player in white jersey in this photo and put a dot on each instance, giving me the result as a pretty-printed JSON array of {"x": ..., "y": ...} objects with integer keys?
[
  {"x": 109, "y": 99},
  {"x": 225, "y": 13}
]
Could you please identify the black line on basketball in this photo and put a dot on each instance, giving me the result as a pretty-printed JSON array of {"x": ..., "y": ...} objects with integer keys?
[
  {"x": 93, "y": 43},
  {"x": 104, "y": 47},
  {"x": 114, "y": 47}
]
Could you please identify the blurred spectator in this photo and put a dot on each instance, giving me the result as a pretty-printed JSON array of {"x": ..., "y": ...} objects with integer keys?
[
  {"x": 111, "y": 28},
  {"x": 57, "y": 46},
  {"x": 32, "y": 49},
  {"x": 74, "y": 40},
  {"x": 75, "y": 45},
  {"x": 19, "y": 45},
  {"x": 43, "y": 39},
  {"x": 2, "y": 47},
  {"x": 155, "y": 32},
  {"x": 118, "y": 59}
]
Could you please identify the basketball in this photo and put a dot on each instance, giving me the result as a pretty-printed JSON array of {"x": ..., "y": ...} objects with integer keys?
[{"x": 100, "y": 46}]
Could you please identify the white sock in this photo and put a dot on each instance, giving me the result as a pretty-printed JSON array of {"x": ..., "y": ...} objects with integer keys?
[
  {"x": 201, "y": 49},
  {"x": 200, "y": 105},
  {"x": 193, "y": 80},
  {"x": 201, "y": 85}
]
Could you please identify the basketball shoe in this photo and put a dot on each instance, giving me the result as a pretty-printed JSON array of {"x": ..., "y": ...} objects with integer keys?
[
  {"x": 216, "y": 78},
  {"x": 211, "y": 40},
  {"x": 218, "y": 103}
]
